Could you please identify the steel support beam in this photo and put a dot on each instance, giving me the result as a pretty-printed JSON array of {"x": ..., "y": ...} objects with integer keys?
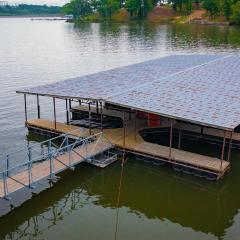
[
  {"x": 89, "y": 117},
  {"x": 230, "y": 146},
  {"x": 179, "y": 138},
  {"x": 38, "y": 107},
  {"x": 54, "y": 110},
  {"x": 170, "y": 142},
  {"x": 124, "y": 128},
  {"x": 135, "y": 124},
  {"x": 25, "y": 107},
  {"x": 223, "y": 148},
  {"x": 101, "y": 111},
  {"x": 67, "y": 112}
]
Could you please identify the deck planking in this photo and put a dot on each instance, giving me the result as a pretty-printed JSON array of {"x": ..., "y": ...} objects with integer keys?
[{"x": 135, "y": 143}]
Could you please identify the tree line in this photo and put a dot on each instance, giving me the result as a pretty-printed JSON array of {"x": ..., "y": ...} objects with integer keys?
[
  {"x": 25, "y": 9},
  {"x": 140, "y": 8}
]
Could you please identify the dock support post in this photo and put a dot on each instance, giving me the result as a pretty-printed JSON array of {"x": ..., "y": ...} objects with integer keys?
[
  {"x": 101, "y": 109},
  {"x": 25, "y": 107},
  {"x": 38, "y": 107},
  {"x": 70, "y": 104},
  {"x": 124, "y": 128},
  {"x": 67, "y": 113},
  {"x": 89, "y": 118},
  {"x": 179, "y": 138},
  {"x": 230, "y": 147},
  {"x": 223, "y": 148},
  {"x": 55, "y": 118},
  {"x": 135, "y": 124},
  {"x": 97, "y": 107},
  {"x": 170, "y": 142}
]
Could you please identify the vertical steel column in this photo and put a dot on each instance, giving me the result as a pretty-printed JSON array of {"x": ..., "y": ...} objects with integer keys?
[
  {"x": 230, "y": 146},
  {"x": 101, "y": 109},
  {"x": 135, "y": 124},
  {"x": 97, "y": 107},
  {"x": 179, "y": 138},
  {"x": 170, "y": 142},
  {"x": 25, "y": 107},
  {"x": 223, "y": 148},
  {"x": 70, "y": 104},
  {"x": 89, "y": 117},
  {"x": 67, "y": 113},
  {"x": 124, "y": 129},
  {"x": 54, "y": 108},
  {"x": 38, "y": 107}
]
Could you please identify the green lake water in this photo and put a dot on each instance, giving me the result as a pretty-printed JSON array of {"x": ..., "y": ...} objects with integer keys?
[{"x": 136, "y": 201}]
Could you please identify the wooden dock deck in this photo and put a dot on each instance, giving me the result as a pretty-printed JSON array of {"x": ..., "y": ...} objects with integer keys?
[{"x": 135, "y": 143}]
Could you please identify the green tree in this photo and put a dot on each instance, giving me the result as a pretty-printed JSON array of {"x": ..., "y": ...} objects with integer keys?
[
  {"x": 212, "y": 6},
  {"x": 107, "y": 7},
  {"x": 227, "y": 8},
  {"x": 139, "y": 8},
  {"x": 78, "y": 8},
  {"x": 235, "y": 17}
]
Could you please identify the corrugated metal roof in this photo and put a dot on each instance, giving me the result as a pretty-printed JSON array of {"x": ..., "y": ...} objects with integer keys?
[{"x": 197, "y": 88}]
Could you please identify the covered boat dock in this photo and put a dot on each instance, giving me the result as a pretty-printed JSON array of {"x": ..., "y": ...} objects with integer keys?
[{"x": 201, "y": 91}]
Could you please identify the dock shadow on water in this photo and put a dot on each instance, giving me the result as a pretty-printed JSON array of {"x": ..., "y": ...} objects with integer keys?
[{"x": 136, "y": 201}]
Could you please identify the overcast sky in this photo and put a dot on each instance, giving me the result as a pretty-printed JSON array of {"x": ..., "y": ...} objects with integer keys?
[{"x": 48, "y": 2}]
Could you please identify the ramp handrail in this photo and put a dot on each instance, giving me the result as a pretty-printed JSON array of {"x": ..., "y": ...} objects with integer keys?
[{"x": 53, "y": 152}]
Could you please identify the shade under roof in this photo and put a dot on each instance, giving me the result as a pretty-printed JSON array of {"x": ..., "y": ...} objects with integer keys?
[{"x": 202, "y": 89}]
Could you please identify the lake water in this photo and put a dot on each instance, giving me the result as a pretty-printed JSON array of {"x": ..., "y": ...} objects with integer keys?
[{"x": 140, "y": 201}]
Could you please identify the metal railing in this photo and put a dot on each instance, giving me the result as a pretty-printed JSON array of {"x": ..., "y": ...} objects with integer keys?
[{"x": 50, "y": 150}]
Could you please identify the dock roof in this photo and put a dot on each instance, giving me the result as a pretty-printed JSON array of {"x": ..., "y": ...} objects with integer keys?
[{"x": 202, "y": 89}]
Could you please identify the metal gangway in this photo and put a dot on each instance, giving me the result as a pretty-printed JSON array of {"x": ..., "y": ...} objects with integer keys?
[{"x": 26, "y": 167}]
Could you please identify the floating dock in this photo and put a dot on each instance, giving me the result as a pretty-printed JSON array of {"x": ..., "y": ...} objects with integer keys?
[{"x": 197, "y": 94}]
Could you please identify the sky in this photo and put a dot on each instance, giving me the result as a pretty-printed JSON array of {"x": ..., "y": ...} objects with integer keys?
[{"x": 40, "y": 2}]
